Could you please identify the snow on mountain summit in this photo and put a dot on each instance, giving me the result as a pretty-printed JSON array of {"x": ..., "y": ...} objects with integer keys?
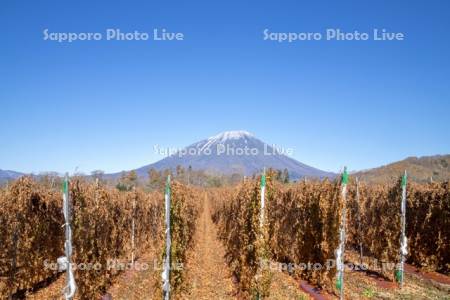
[
  {"x": 230, "y": 135},
  {"x": 224, "y": 137}
]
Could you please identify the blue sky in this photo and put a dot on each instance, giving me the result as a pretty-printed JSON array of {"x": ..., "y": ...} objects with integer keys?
[{"x": 105, "y": 104}]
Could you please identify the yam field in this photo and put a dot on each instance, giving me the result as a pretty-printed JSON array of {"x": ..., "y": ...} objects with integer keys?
[{"x": 259, "y": 239}]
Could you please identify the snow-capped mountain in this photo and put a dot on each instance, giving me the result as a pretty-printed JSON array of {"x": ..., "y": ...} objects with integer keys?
[{"x": 234, "y": 152}]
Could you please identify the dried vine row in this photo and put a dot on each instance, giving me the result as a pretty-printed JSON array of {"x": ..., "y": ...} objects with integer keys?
[
  {"x": 185, "y": 208},
  {"x": 375, "y": 224},
  {"x": 30, "y": 232},
  {"x": 32, "y": 237},
  {"x": 102, "y": 231},
  {"x": 304, "y": 220},
  {"x": 302, "y": 229},
  {"x": 239, "y": 228}
]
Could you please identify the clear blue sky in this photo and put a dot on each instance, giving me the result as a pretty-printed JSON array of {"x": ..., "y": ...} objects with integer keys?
[{"x": 105, "y": 104}]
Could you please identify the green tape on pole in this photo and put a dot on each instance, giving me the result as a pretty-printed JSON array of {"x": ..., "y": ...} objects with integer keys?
[
  {"x": 65, "y": 186},
  {"x": 404, "y": 180},
  {"x": 168, "y": 185},
  {"x": 339, "y": 284},
  {"x": 263, "y": 180},
  {"x": 398, "y": 275},
  {"x": 345, "y": 176}
]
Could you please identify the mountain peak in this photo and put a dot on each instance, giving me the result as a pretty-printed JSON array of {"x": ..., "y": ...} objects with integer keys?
[
  {"x": 234, "y": 152},
  {"x": 230, "y": 135}
]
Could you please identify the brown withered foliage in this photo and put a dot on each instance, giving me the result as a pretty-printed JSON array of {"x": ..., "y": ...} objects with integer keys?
[
  {"x": 101, "y": 229},
  {"x": 237, "y": 214},
  {"x": 374, "y": 222},
  {"x": 304, "y": 218},
  {"x": 184, "y": 213},
  {"x": 31, "y": 233},
  {"x": 379, "y": 227},
  {"x": 428, "y": 226},
  {"x": 304, "y": 228}
]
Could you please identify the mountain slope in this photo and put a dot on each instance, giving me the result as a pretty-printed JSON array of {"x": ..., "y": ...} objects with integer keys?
[
  {"x": 7, "y": 175},
  {"x": 234, "y": 152},
  {"x": 420, "y": 169}
]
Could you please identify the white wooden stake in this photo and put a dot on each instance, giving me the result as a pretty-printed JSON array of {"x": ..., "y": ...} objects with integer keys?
[
  {"x": 166, "y": 272},
  {"x": 263, "y": 198},
  {"x": 403, "y": 239},
  {"x": 133, "y": 227},
  {"x": 263, "y": 205},
  {"x": 69, "y": 290},
  {"x": 340, "y": 260}
]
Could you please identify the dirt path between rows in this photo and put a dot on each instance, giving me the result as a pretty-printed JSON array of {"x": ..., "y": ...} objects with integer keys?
[
  {"x": 135, "y": 284},
  {"x": 208, "y": 272},
  {"x": 209, "y": 275}
]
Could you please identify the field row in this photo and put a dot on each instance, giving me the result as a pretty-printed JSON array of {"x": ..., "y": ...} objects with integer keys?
[
  {"x": 302, "y": 222},
  {"x": 109, "y": 229}
]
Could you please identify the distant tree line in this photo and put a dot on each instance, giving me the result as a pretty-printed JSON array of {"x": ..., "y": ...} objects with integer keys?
[{"x": 156, "y": 178}]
